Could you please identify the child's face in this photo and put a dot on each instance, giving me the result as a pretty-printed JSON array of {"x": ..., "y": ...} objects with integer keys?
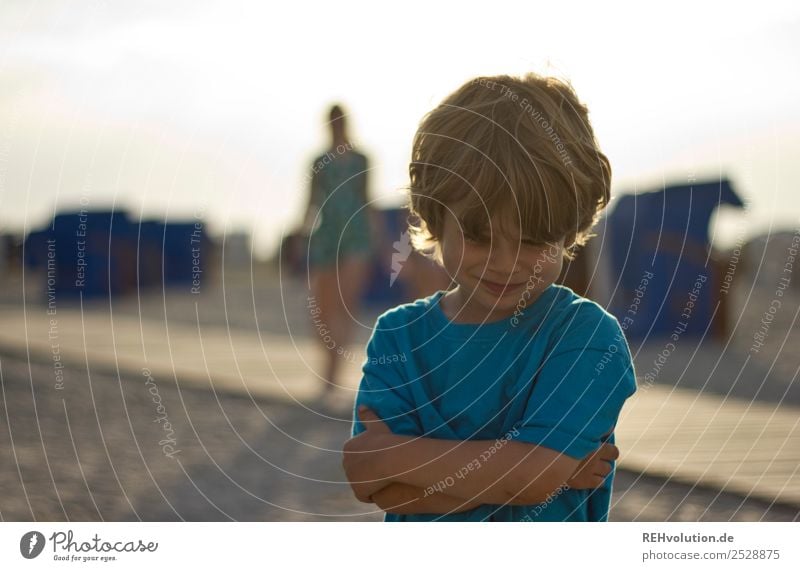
[{"x": 481, "y": 267}]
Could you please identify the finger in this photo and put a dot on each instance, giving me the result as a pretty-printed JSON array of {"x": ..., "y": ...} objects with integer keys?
[
  {"x": 589, "y": 458},
  {"x": 609, "y": 452},
  {"x": 592, "y": 458},
  {"x": 603, "y": 469}
]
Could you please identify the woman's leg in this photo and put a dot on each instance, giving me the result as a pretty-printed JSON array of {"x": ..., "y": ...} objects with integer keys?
[
  {"x": 324, "y": 290},
  {"x": 337, "y": 296},
  {"x": 353, "y": 276},
  {"x": 353, "y": 273}
]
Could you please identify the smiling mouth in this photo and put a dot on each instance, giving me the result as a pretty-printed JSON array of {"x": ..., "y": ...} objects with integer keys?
[{"x": 500, "y": 288}]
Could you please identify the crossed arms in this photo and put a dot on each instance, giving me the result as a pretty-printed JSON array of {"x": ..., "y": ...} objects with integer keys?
[{"x": 409, "y": 474}]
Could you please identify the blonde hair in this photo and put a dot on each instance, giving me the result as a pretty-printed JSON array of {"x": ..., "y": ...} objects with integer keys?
[{"x": 519, "y": 147}]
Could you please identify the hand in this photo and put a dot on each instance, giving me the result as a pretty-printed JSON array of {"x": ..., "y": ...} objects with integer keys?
[
  {"x": 593, "y": 469},
  {"x": 363, "y": 456}
]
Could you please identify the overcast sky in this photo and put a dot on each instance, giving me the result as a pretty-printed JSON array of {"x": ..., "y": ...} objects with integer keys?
[{"x": 167, "y": 108}]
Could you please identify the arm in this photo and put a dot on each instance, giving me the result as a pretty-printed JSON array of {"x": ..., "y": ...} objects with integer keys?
[
  {"x": 370, "y": 462},
  {"x": 486, "y": 471},
  {"x": 384, "y": 389},
  {"x": 399, "y": 498},
  {"x": 313, "y": 203},
  {"x": 515, "y": 473}
]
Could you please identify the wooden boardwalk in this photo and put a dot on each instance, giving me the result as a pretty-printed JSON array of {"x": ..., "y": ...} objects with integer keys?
[
  {"x": 750, "y": 448},
  {"x": 264, "y": 365}
]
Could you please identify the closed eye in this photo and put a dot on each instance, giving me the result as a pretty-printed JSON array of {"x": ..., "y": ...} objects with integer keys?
[
  {"x": 484, "y": 240},
  {"x": 474, "y": 239}
]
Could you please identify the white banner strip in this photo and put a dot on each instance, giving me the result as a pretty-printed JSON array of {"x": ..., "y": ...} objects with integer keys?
[{"x": 384, "y": 546}]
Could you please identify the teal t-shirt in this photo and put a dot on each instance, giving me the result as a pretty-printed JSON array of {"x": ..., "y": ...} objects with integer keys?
[{"x": 556, "y": 376}]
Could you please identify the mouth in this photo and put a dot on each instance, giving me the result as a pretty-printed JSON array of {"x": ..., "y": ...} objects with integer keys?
[{"x": 500, "y": 289}]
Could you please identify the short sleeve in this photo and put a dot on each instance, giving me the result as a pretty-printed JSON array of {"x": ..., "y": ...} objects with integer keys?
[
  {"x": 384, "y": 386},
  {"x": 576, "y": 399}
]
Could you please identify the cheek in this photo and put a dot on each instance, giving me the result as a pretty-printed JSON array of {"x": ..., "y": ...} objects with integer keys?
[
  {"x": 459, "y": 257},
  {"x": 451, "y": 256},
  {"x": 545, "y": 265}
]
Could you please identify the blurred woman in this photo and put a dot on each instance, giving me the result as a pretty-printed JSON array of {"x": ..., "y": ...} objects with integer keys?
[{"x": 343, "y": 228}]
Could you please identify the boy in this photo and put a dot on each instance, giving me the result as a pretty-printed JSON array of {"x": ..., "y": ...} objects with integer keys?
[{"x": 496, "y": 400}]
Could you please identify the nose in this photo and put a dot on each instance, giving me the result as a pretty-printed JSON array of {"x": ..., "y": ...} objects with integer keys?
[{"x": 504, "y": 259}]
